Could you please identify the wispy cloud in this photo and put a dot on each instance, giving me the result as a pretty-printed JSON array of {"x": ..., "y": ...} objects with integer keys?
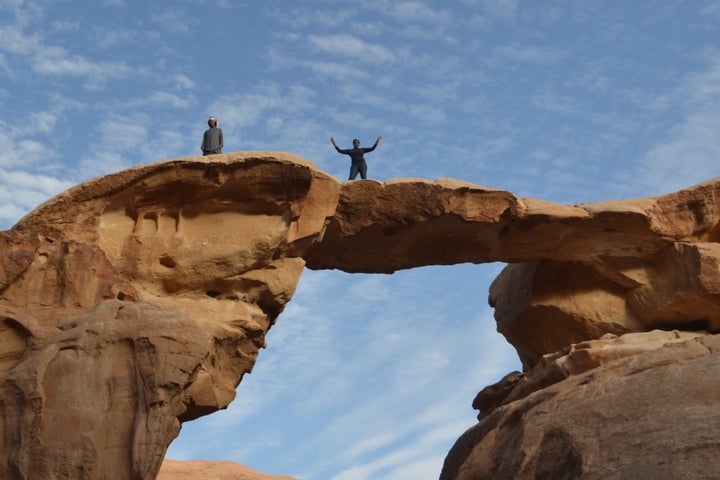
[
  {"x": 45, "y": 58},
  {"x": 22, "y": 191},
  {"x": 182, "y": 82},
  {"x": 57, "y": 61},
  {"x": 170, "y": 100},
  {"x": 687, "y": 151},
  {"x": 174, "y": 20},
  {"x": 116, "y": 37},
  {"x": 689, "y": 155},
  {"x": 414, "y": 11},
  {"x": 501, "y": 8},
  {"x": 15, "y": 41},
  {"x": 351, "y": 46}
]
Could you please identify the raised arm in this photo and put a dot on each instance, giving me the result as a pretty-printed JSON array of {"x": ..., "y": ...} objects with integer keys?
[
  {"x": 332, "y": 139},
  {"x": 370, "y": 149}
]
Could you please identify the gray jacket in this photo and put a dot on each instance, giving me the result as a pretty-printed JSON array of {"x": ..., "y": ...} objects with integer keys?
[{"x": 212, "y": 141}]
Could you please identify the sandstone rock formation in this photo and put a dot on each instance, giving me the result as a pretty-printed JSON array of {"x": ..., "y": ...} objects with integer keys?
[
  {"x": 211, "y": 470},
  {"x": 139, "y": 300},
  {"x": 644, "y": 405},
  {"x": 148, "y": 293},
  {"x": 576, "y": 272}
]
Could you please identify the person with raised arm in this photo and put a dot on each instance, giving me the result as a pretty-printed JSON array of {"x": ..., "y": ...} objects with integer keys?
[{"x": 357, "y": 158}]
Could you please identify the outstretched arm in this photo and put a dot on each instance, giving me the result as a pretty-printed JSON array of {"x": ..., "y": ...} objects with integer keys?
[
  {"x": 335, "y": 145},
  {"x": 368, "y": 150}
]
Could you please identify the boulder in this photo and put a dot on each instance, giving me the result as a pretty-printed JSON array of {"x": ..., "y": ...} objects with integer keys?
[{"x": 641, "y": 405}]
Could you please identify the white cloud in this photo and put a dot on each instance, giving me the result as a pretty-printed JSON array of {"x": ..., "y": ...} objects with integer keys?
[
  {"x": 121, "y": 141},
  {"x": 688, "y": 156},
  {"x": 351, "y": 46},
  {"x": 102, "y": 162},
  {"x": 166, "y": 99},
  {"x": 245, "y": 110},
  {"x": 23, "y": 151},
  {"x": 340, "y": 71},
  {"x": 299, "y": 17},
  {"x": 417, "y": 469},
  {"x": 685, "y": 153},
  {"x": 43, "y": 122},
  {"x": 57, "y": 61},
  {"x": 121, "y": 133},
  {"x": 23, "y": 191},
  {"x": 182, "y": 82},
  {"x": 14, "y": 40},
  {"x": 49, "y": 59}
]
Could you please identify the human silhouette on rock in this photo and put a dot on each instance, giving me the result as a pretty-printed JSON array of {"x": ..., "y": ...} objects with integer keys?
[
  {"x": 212, "y": 138},
  {"x": 357, "y": 158}
]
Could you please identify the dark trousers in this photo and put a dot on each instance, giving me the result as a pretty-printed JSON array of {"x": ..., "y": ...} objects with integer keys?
[{"x": 359, "y": 167}]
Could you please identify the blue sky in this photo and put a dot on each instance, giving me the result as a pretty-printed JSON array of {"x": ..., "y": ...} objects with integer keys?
[{"x": 365, "y": 376}]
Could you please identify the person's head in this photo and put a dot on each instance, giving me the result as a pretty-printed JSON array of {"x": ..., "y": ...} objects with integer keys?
[
  {"x": 212, "y": 122},
  {"x": 356, "y": 143}
]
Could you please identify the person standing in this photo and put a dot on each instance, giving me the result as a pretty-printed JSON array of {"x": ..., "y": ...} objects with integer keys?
[
  {"x": 212, "y": 138},
  {"x": 357, "y": 158}
]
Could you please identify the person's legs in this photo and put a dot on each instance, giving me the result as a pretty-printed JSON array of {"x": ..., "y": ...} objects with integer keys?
[
  {"x": 354, "y": 169},
  {"x": 363, "y": 170}
]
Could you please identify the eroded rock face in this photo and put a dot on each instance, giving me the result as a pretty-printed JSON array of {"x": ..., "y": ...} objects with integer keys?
[
  {"x": 148, "y": 294},
  {"x": 604, "y": 394},
  {"x": 638, "y": 406},
  {"x": 139, "y": 300},
  {"x": 576, "y": 272}
]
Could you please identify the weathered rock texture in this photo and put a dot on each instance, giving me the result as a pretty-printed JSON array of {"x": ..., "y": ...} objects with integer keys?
[
  {"x": 640, "y": 406},
  {"x": 576, "y": 272},
  {"x": 644, "y": 405},
  {"x": 139, "y": 300}
]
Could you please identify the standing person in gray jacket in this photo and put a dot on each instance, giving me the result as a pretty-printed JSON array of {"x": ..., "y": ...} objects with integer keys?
[{"x": 212, "y": 138}]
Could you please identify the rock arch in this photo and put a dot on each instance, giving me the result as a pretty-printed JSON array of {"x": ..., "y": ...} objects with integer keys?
[{"x": 171, "y": 274}]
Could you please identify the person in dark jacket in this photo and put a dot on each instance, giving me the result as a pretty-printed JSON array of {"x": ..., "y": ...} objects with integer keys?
[
  {"x": 357, "y": 159},
  {"x": 212, "y": 138}
]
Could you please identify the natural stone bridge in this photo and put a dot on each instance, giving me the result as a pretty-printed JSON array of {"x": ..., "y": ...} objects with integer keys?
[{"x": 138, "y": 300}]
